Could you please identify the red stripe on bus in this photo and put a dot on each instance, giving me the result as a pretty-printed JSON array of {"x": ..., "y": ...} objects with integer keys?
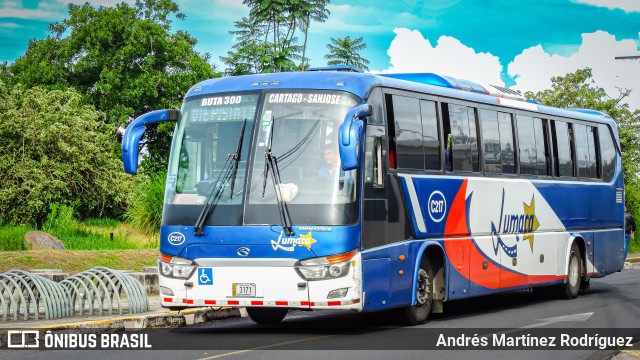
[
  {"x": 233, "y": 302},
  {"x": 356, "y": 301},
  {"x": 282, "y": 303},
  {"x": 189, "y": 301},
  {"x": 334, "y": 303},
  {"x": 257, "y": 302},
  {"x": 209, "y": 302},
  {"x": 168, "y": 300},
  {"x": 304, "y": 303}
]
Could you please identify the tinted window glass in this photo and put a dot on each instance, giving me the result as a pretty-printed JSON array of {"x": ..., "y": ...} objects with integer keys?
[
  {"x": 542, "y": 160},
  {"x": 527, "y": 146},
  {"x": 592, "y": 165},
  {"x": 607, "y": 153},
  {"x": 507, "y": 154},
  {"x": 430, "y": 135},
  {"x": 408, "y": 132},
  {"x": 564, "y": 164},
  {"x": 490, "y": 141},
  {"x": 464, "y": 146},
  {"x": 582, "y": 150}
]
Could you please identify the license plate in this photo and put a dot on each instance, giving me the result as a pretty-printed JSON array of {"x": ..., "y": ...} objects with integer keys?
[{"x": 248, "y": 290}]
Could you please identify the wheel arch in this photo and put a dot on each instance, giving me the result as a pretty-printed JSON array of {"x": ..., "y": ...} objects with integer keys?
[
  {"x": 578, "y": 239},
  {"x": 431, "y": 254}
]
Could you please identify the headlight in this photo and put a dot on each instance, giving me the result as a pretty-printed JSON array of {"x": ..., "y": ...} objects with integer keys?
[
  {"x": 175, "y": 267},
  {"x": 329, "y": 267}
]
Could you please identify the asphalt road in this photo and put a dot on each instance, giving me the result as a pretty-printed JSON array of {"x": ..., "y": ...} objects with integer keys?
[{"x": 612, "y": 302}]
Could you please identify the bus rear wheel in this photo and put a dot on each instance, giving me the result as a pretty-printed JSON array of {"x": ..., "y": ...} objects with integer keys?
[
  {"x": 575, "y": 274},
  {"x": 267, "y": 315},
  {"x": 419, "y": 312}
]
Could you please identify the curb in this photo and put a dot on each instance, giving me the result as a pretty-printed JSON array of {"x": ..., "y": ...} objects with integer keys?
[
  {"x": 633, "y": 260},
  {"x": 151, "y": 321}
]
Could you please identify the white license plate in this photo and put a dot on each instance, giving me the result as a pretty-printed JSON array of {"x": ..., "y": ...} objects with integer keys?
[{"x": 248, "y": 290}]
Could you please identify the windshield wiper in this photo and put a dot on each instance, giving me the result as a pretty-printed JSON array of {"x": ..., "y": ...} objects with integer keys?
[
  {"x": 228, "y": 172},
  {"x": 271, "y": 163},
  {"x": 236, "y": 159}
]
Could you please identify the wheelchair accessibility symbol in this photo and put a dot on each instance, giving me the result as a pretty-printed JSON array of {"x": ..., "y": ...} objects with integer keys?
[{"x": 205, "y": 276}]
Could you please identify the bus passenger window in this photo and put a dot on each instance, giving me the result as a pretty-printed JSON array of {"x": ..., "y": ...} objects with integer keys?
[
  {"x": 490, "y": 141},
  {"x": 562, "y": 149},
  {"x": 527, "y": 145},
  {"x": 607, "y": 153},
  {"x": 464, "y": 146},
  {"x": 507, "y": 148},
  {"x": 430, "y": 135},
  {"x": 408, "y": 132},
  {"x": 585, "y": 151}
]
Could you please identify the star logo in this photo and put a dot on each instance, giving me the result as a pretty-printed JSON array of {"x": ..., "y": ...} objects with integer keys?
[
  {"x": 307, "y": 240},
  {"x": 531, "y": 221}
]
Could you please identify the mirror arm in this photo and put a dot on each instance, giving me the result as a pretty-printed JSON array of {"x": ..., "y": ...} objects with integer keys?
[
  {"x": 357, "y": 112},
  {"x": 135, "y": 131}
]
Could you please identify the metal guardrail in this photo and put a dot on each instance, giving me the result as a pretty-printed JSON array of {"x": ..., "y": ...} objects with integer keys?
[{"x": 28, "y": 295}]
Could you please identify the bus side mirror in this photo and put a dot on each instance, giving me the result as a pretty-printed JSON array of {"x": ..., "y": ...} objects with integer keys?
[
  {"x": 350, "y": 136},
  {"x": 134, "y": 132}
]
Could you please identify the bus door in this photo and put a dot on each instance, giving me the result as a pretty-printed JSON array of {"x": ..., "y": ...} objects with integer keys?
[{"x": 375, "y": 214}]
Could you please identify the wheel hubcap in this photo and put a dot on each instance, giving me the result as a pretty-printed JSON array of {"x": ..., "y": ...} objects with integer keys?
[
  {"x": 423, "y": 291},
  {"x": 573, "y": 270}
]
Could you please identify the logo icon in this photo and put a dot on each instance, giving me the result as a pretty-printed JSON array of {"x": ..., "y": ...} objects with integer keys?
[
  {"x": 521, "y": 224},
  {"x": 28, "y": 339},
  {"x": 205, "y": 276},
  {"x": 437, "y": 205},
  {"x": 290, "y": 243},
  {"x": 176, "y": 238},
  {"x": 243, "y": 251}
]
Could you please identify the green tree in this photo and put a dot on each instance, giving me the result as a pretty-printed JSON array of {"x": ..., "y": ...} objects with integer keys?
[
  {"x": 315, "y": 10},
  {"x": 346, "y": 52},
  {"x": 56, "y": 150},
  {"x": 578, "y": 90},
  {"x": 124, "y": 59},
  {"x": 266, "y": 41}
]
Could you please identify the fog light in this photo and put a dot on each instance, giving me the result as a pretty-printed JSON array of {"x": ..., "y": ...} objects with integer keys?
[
  {"x": 335, "y": 270},
  {"x": 166, "y": 291},
  {"x": 337, "y": 293}
]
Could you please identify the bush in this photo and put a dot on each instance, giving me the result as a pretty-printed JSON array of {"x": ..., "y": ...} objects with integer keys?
[
  {"x": 56, "y": 149},
  {"x": 145, "y": 209}
]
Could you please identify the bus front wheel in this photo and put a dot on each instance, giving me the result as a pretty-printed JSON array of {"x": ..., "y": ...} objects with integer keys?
[
  {"x": 417, "y": 314},
  {"x": 267, "y": 315}
]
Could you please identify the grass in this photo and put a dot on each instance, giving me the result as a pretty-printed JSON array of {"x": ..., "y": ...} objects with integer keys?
[
  {"x": 634, "y": 245},
  {"x": 12, "y": 237},
  {"x": 73, "y": 262},
  {"x": 89, "y": 234}
]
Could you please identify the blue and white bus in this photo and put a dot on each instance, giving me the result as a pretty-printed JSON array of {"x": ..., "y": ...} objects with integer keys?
[{"x": 442, "y": 190}]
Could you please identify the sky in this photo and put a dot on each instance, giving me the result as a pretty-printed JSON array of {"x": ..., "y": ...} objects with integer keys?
[{"x": 518, "y": 44}]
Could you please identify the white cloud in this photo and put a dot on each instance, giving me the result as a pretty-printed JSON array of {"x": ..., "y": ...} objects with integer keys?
[
  {"x": 16, "y": 9},
  {"x": 626, "y": 5},
  {"x": 10, "y": 25},
  {"x": 534, "y": 67},
  {"x": 351, "y": 19},
  {"x": 411, "y": 52}
]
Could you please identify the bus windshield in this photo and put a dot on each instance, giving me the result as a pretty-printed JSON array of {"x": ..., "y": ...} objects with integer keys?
[
  {"x": 302, "y": 129},
  {"x": 205, "y": 138}
]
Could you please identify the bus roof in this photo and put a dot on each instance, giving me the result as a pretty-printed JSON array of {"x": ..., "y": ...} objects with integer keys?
[{"x": 361, "y": 85}]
